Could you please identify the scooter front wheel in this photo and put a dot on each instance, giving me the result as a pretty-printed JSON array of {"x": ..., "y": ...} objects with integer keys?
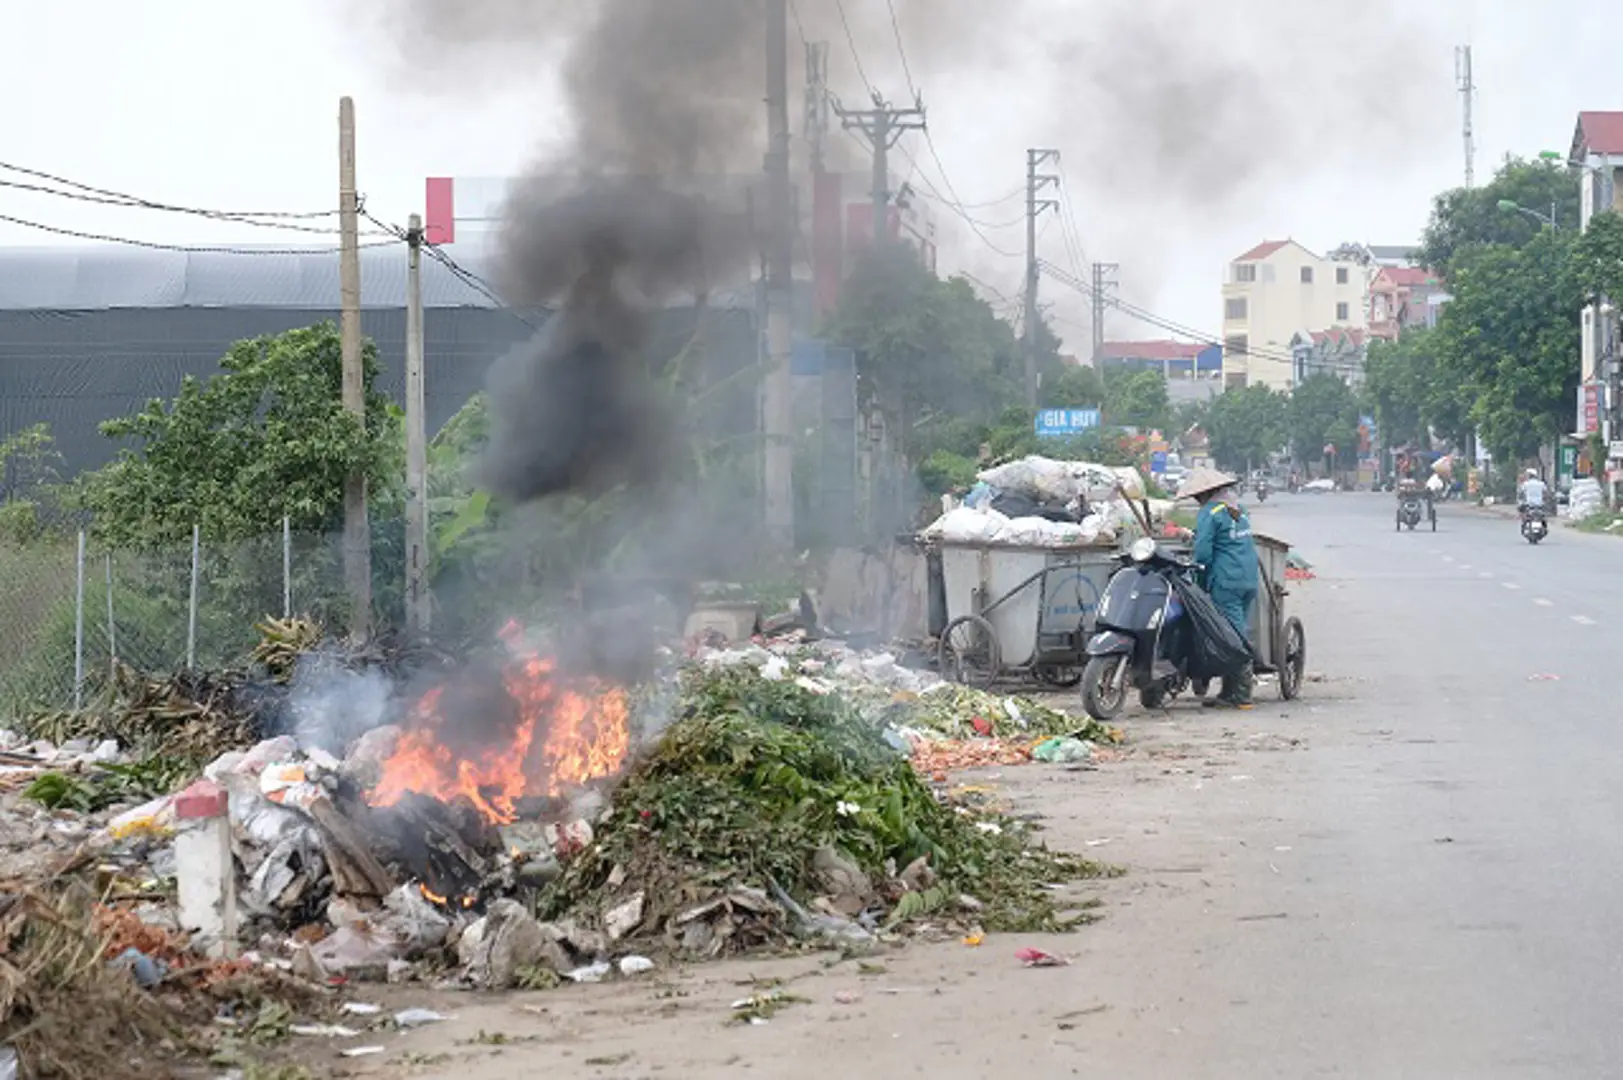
[{"x": 1104, "y": 687}]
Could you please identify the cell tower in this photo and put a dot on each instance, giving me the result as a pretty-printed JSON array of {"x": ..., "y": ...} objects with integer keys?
[{"x": 1467, "y": 88}]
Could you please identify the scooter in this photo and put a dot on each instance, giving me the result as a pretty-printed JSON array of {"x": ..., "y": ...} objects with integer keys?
[
  {"x": 1535, "y": 526},
  {"x": 1262, "y": 491},
  {"x": 1410, "y": 510},
  {"x": 1140, "y": 639}
]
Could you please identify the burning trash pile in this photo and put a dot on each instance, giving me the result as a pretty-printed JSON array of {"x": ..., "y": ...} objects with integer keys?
[{"x": 509, "y": 824}]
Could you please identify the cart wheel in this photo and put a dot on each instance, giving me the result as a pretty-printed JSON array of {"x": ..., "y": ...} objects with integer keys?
[
  {"x": 1293, "y": 659},
  {"x": 1059, "y": 676},
  {"x": 969, "y": 652}
]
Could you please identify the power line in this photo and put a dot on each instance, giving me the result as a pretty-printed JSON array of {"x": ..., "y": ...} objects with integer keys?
[
  {"x": 122, "y": 198},
  {"x": 107, "y": 238},
  {"x": 461, "y": 273},
  {"x": 851, "y": 40},
  {"x": 211, "y": 215},
  {"x": 896, "y": 29}
]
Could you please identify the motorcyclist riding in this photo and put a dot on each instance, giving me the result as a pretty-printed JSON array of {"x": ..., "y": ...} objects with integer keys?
[
  {"x": 1533, "y": 492},
  {"x": 1223, "y": 545}
]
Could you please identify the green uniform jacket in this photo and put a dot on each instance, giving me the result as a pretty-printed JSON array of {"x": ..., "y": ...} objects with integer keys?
[{"x": 1223, "y": 545}]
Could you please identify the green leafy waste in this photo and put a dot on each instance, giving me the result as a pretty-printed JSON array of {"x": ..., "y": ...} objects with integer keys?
[{"x": 754, "y": 776}]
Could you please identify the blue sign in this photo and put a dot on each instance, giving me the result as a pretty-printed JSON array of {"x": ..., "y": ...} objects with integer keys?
[
  {"x": 1065, "y": 422},
  {"x": 1158, "y": 462}
]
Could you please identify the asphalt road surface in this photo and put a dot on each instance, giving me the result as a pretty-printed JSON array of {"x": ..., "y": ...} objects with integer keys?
[{"x": 1412, "y": 872}]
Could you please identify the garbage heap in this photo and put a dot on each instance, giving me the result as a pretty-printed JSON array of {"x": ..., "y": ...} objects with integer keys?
[
  {"x": 741, "y": 801},
  {"x": 1044, "y": 502}
]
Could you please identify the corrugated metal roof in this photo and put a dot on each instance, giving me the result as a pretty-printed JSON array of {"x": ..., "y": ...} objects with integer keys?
[{"x": 108, "y": 277}]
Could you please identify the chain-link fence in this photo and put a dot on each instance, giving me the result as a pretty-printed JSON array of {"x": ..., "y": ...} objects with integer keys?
[{"x": 73, "y": 609}]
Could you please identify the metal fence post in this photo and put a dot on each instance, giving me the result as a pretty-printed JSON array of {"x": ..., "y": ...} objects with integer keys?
[
  {"x": 112, "y": 641},
  {"x": 287, "y": 567},
  {"x": 191, "y": 607},
  {"x": 79, "y": 631}
]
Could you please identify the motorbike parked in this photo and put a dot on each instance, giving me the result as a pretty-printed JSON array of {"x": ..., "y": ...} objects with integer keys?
[
  {"x": 1141, "y": 635},
  {"x": 1535, "y": 525}
]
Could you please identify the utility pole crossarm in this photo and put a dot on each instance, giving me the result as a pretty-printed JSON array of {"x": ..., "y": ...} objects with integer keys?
[{"x": 882, "y": 127}]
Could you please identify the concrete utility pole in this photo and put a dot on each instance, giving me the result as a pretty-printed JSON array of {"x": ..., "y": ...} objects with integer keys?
[
  {"x": 1035, "y": 182},
  {"x": 357, "y": 530},
  {"x": 1105, "y": 284},
  {"x": 417, "y": 606},
  {"x": 882, "y": 126},
  {"x": 1467, "y": 88},
  {"x": 776, "y": 404}
]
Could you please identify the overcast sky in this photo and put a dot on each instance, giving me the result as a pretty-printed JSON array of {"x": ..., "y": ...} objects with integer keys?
[{"x": 1190, "y": 130}]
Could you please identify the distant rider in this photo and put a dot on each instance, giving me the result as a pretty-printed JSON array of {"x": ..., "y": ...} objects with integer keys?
[
  {"x": 1533, "y": 492},
  {"x": 1223, "y": 545}
]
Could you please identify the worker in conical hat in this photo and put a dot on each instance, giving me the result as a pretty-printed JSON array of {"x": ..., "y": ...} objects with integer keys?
[{"x": 1223, "y": 545}]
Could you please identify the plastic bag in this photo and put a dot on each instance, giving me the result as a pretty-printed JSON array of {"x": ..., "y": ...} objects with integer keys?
[{"x": 1215, "y": 647}]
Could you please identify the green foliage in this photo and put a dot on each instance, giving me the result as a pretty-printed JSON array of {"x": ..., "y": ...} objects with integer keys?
[
  {"x": 945, "y": 471},
  {"x": 109, "y": 785},
  {"x": 268, "y": 437},
  {"x": 930, "y": 351},
  {"x": 1323, "y": 409},
  {"x": 1077, "y": 387},
  {"x": 1511, "y": 336},
  {"x": 755, "y": 775},
  {"x": 1466, "y": 219},
  {"x": 1137, "y": 399},
  {"x": 1245, "y": 425},
  {"x": 30, "y": 465},
  {"x": 1598, "y": 258}
]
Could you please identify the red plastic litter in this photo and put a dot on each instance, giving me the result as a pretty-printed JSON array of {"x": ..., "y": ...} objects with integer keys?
[
  {"x": 982, "y": 726},
  {"x": 1037, "y": 958}
]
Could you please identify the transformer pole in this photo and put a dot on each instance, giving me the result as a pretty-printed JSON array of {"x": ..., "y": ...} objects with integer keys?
[{"x": 1035, "y": 182}]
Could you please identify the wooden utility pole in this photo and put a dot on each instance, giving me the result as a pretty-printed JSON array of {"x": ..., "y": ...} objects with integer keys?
[
  {"x": 357, "y": 530},
  {"x": 776, "y": 404},
  {"x": 417, "y": 602},
  {"x": 1035, "y": 182}
]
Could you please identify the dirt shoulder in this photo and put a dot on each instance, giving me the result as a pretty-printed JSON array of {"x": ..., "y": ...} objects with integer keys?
[{"x": 1185, "y": 810}]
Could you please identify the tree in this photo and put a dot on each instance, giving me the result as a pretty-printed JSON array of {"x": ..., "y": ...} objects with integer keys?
[
  {"x": 1078, "y": 386},
  {"x": 1597, "y": 258},
  {"x": 1246, "y": 425},
  {"x": 1511, "y": 336},
  {"x": 1465, "y": 219},
  {"x": 1398, "y": 378},
  {"x": 1136, "y": 399},
  {"x": 1323, "y": 411},
  {"x": 928, "y": 351},
  {"x": 268, "y": 437}
]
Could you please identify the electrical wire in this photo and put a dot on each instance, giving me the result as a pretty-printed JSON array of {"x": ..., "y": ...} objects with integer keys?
[
  {"x": 851, "y": 41},
  {"x": 896, "y": 29},
  {"x": 90, "y": 193},
  {"x": 108, "y": 238},
  {"x": 1158, "y": 321}
]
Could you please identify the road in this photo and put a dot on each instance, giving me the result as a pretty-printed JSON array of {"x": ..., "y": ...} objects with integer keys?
[{"x": 1412, "y": 872}]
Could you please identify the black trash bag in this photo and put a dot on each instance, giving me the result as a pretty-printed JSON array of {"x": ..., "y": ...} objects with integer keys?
[{"x": 1215, "y": 647}]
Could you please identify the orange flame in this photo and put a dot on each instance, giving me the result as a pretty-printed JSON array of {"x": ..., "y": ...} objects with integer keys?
[{"x": 588, "y": 735}]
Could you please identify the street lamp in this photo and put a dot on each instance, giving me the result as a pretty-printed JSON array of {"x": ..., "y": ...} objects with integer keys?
[{"x": 1512, "y": 204}]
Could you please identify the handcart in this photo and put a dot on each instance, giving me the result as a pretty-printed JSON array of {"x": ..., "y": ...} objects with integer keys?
[
  {"x": 1278, "y": 641},
  {"x": 1019, "y": 610}
]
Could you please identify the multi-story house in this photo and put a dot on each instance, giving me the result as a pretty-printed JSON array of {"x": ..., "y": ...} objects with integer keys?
[
  {"x": 1401, "y": 297},
  {"x": 1597, "y": 149},
  {"x": 1277, "y": 290}
]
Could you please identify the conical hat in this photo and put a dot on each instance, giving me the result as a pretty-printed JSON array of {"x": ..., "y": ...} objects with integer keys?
[{"x": 1202, "y": 480}]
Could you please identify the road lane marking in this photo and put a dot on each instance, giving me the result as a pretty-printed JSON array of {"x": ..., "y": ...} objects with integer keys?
[
  {"x": 1485, "y": 574},
  {"x": 1448, "y": 558},
  {"x": 1541, "y": 602},
  {"x": 1465, "y": 566},
  {"x": 1583, "y": 620},
  {"x": 1510, "y": 584}
]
